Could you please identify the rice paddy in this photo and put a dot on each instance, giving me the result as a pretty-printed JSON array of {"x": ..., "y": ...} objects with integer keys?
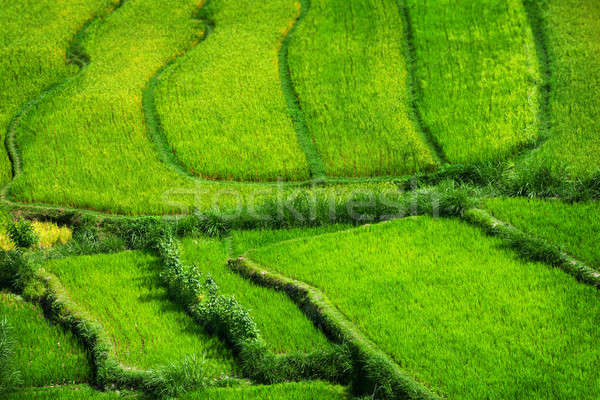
[
  {"x": 44, "y": 354},
  {"x": 269, "y": 140},
  {"x": 573, "y": 226},
  {"x": 571, "y": 33},
  {"x": 232, "y": 82},
  {"x": 286, "y": 391},
  {"x": 476, "y": 75},
  {"x": 124, "y": 294},
  {"x": 348, "y": 65},
  {"x": 454, "y": 309},
  {"x": 281, "y": 323}
]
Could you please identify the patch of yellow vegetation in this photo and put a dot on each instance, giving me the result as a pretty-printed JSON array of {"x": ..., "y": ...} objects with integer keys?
[{"x": 50, "y": 235}]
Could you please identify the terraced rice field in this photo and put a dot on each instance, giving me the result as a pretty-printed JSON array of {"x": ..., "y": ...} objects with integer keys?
[
  {"x": 123, "y": 293},
  {"x": 299, "y": 199},
  {"x": 288, "y": 391},
  {"x": 45, "y": 354},
  {"x": 282, "y": 324},
  {"x": 573, "y": 226},
  {"x": 349, "y": 67},
  {"x": 476, "y": 74},
  {"x": 462, "y": 304},
  {"x": 571, "y": 32},
  {"x": 246, "y": 132}
]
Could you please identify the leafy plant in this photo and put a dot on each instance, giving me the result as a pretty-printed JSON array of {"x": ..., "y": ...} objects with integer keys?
[{"x": 23, "y": 233}]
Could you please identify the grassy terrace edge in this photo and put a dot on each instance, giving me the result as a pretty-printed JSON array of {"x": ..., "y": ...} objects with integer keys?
[
  {"x": 313, "y": 158},
  {"x": 373, "y": 368}
]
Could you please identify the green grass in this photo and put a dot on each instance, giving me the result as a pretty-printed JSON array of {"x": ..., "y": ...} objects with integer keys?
[
  {"x": 574, "y": 226},
  {"x": 476, "y": 71},
  {"x": 461, "y": 314},
  {"x": 572, "y": 32},
  {"x": 35, "y": 38},
  {"x": 282, "y": 325},
  {"x": 242, "y": 241},
  {"x": 124, "y": 294},
  {"x": 63, "y": 393},
  {"x": 284, "y": 391},
  {"x": 222, "y": 107},
  {"x": 45, "y": 354},
  {"x": 348, "y": 66},
  {"x": 91, "y": 132}
]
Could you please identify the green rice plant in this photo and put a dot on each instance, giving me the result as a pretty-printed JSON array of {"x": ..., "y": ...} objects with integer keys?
[
  {"x": 285, "y": 391},
  {"x": 101, "y": 109},
  {"x": 242, "y": 241},
  {"x": 33, "y": 46},
  {"x": 571, "y": 33},
  {"x": 124, "y": 294},
  {"x": 221, "y": 105},
  {"x": 75, "y": 392},
  {"x": 477, "y": 74},
  {"x": 454, "y": 308},
  {"x": 573, "y": 226},
  {"x": 45, "y": 354},
  {"x": 282, "y": 325},
  {"x": 349, "y": 68},
  {"x": 10, "y": 377}
]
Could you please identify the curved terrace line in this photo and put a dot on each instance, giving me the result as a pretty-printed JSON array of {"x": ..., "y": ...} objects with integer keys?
[
  {"x": 413, "y": 87},
  {"x": 75, "y": 55},
  {"x": 153, "y": 123},
  {"x": 538, "y": 28},
  {"x": 306, "y": 143},
  {"x": 315, "y": 304}
]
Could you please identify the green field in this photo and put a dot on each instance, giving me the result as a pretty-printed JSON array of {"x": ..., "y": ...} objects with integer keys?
[
  {"x": 574, "y": 226},
  {"x": 45, "y": 354},
  {"x": 101, "y": 109},
  {"x": 63, "y": 393},
  {"x": 300, "y": 199},
  {"x": 453, "y": 308},
  {"x": 476, "y": 72},
  {"x": 35, "y": 62},
  {"x": 349, "y": 68},
  {"x": 286, "y": 391},
  {"x": 572, "y": 32},
  {"x": 221, "y": 105},
  {"x": 281, "y": 323},
  {"x": 123, "y": 292}
]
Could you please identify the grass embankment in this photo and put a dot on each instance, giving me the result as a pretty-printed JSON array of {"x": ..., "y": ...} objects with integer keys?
[
  {"x": 285, "y": 391},
  {"x": 476, "y": 75},
  {"x": 63, "y": 393},
  {"x": 221, "y": 105},
  {"x": 348, "y": 66},
  {"x": 571, "y": 32},
  {"x": 123, "y": 292},
  {"x": 454, "y": 308},
  {"x": 281, "y": 324},
  {"x": 33, "y": 48},
  {"x": 45, "y": 355},
  {"x": 91, "y": 132},
  {"x": 573, "y": 226}
]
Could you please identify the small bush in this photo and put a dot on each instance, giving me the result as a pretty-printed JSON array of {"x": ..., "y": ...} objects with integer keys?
[
  {"x": 175, "y": 379},
  {"x": 16, "y": 269},
  {"x": 23, "y": 233}
]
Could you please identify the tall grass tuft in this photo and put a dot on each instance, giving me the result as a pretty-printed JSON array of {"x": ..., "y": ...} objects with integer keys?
[
  {"x": 9, "y": 377},
  {"x": 175, "y": 379}
]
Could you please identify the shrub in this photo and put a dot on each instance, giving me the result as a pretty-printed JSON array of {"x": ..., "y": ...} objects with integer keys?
[
  {"x": 23, "y": 233},
  {"x": 174, "y": 379}
]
